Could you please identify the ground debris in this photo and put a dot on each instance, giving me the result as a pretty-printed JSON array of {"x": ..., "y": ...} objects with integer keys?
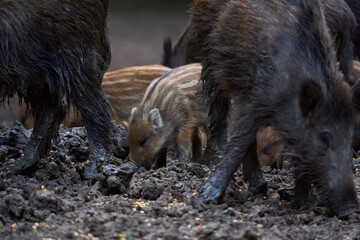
[{"x": 54, "y": 201}]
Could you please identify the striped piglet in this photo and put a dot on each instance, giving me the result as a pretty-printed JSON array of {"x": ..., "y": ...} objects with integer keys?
[{"x": 171, "y": 112}]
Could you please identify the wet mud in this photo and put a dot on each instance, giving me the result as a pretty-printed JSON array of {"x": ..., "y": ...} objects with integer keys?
[{"x": 54, "y": 201}]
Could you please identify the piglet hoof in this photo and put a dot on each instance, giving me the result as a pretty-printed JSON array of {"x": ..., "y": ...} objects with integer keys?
[{"x": 260, "y": 189}]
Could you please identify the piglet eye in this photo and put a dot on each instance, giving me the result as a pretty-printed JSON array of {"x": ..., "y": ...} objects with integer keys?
[
  {"x": 325, "y": 137},
  {"x": 267, "y": 149},
  {"x": 143, "y": 141}
]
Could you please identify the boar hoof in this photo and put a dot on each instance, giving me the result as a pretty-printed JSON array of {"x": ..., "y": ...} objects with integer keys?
[
  {"x": 97, "y": 158},
  {"x": 347, "y": 211},
  {"x": 210, "y": 193},
  {"x": 198, "y": 203}
]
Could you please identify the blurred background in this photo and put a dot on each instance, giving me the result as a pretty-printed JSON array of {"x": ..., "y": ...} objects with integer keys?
[{"x": 137, "y": 30}]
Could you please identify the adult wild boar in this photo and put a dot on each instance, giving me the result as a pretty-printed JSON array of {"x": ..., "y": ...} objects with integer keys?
[
  {"x": 50, "y": 49},
  {"x": 276, "y": 61},
  {"x": 338, "y": 15},
  {"x": 355, "y": 8}
]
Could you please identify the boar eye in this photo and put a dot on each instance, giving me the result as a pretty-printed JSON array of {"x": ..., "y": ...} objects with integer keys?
[
  {"x": 267, "y": 149},
  {"x": 325, "y": 138},
  {"x": 143, "y": 141}
]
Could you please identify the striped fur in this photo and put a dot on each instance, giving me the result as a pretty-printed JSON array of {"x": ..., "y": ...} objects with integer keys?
[
  {"x": 171, "y": 112},
  {"x": 269, "y": 147},
  {"x": 124, "y": 89}
]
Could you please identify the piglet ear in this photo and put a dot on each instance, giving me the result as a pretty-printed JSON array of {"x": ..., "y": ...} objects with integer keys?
[
  {"x": 133, "y": 110},
  {"x": 155, "y": 118},
  {"x": 125, "y": 124},
  {"x": 310, "y": 97},
  {"x": 355, "y": 95}
]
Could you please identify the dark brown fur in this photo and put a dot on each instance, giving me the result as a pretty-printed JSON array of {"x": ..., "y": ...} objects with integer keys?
[
  {"x": 275, "y": 59},
  {"x": 355, "y": 8},
  {"x": 187, "y": 49},
  {"x": 342, "y": 25},
  {"x": 270, "y": 147},
  {"x": 50, "y": 49}
]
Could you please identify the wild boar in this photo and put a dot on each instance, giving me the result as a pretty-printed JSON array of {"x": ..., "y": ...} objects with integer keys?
[
  {"x": 276, "y": 60},
  {"x": 50, "y": 49},
  {"x": 338, "y": 15}
]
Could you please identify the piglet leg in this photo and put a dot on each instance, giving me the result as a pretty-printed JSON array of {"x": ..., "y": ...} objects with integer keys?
[{"x": 196, "y": 146}]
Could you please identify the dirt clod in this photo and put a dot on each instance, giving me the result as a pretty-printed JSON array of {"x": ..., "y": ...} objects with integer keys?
[{"x": 54, "y": 201}]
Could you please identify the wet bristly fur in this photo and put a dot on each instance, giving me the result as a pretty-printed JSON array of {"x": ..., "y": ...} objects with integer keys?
[
  {"x": 270, "y": 148},
  {"x": 187, "y": 48},
  {"x": 124, "y": 88},
  {"x": 72, "y": 119},
  {"x": 276, "y": 60},
  {"x": 355, "y": 8},
  {"x": 171, "y": 112},
  {"x": 342, "y": 24},
  {"x": 50, "y": 49}
]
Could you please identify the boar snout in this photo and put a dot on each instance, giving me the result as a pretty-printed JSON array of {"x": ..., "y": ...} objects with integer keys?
[{"x": 343, "y": 200}]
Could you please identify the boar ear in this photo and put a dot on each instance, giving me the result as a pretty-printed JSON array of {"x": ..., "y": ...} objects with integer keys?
[
  {"x": 310, "y": 97},
  {"x": 355, "y": 95},
  {"x": 155, "y": 118}
]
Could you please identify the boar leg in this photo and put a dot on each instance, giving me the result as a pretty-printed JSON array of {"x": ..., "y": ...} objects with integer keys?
[
  {"x": 243, "y": 135},
  {"x": 302, "y": 194},
  {"x": 196, "y": 146},
  {"x": 217, "y": 119},
  {"x": 95, "y": 110},
  {"x": 252, "y": 171},
  {"x": 48, "y": 115}
]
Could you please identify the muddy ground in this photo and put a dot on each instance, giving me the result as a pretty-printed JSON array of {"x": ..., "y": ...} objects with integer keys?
[{"x": 55, "y": 202}]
